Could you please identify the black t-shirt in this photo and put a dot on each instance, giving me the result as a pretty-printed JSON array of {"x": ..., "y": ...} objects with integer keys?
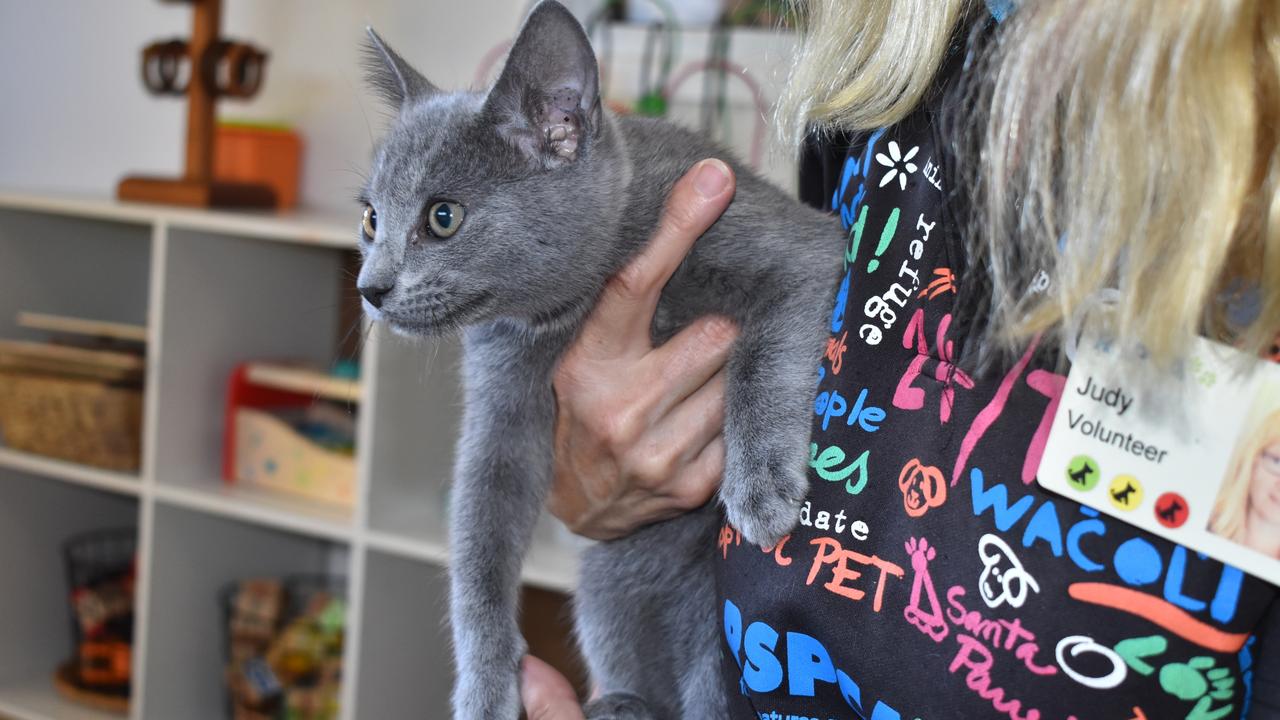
[{"x": 931, "y": 577}]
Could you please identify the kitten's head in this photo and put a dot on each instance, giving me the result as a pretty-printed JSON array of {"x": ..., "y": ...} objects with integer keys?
[{"x": 487, "y": 205}]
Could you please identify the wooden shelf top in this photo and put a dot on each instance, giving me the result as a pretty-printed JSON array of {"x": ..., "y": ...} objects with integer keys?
[{"x": 327, "y": 228}]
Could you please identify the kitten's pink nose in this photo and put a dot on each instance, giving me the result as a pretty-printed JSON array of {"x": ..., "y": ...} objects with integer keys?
[{"x": 374, "y": 293}]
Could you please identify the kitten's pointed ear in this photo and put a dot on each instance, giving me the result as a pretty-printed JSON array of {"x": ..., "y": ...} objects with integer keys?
[
  {"x": 547, "y": 100},
  {"x": 390, "y": 75}
]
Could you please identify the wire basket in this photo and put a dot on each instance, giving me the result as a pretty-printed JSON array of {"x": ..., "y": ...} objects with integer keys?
[
  {"x": 283, "y": 659},
  {"x": 100, "y": 567}
]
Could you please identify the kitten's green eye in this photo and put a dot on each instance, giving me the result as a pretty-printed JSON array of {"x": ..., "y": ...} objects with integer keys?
[
  {"x": 370, "y": 222},
  {"x": 444, "y": 218}
]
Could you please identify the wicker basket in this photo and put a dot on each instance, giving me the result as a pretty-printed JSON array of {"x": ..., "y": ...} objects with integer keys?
[{"x": 82, "y": 420}]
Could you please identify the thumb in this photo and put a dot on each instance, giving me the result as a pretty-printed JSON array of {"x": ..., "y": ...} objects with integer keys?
[
  {"x": 619, "y": 323},
  {"x": 546, "y": 694}
]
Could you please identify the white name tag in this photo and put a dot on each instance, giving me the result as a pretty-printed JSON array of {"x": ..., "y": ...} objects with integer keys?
[{"x": 1201, "y": 468}]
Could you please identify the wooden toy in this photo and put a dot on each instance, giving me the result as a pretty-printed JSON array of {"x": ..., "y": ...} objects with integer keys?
[
  {"x": 298, "y": 672},
  {"x": 257, "y": 610},
  {"x": 203, "y": 68},
  {"x": 105, "y": 662},
  {"x": 262, "y": 685},
  {"x": 262, "y": 449}
]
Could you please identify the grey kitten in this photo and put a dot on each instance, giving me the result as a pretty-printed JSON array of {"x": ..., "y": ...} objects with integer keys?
[{"x": 503, "y": 214}]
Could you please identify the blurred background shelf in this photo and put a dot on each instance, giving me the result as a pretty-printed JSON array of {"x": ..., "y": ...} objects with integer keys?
[
  {"x": 213, "y": 290},
  {"x": 326, "y": 228},
  {"x": 37, "y": 515}
]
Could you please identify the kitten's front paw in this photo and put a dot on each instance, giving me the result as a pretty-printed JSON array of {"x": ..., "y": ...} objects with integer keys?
[{"x": 762, "y": 494}]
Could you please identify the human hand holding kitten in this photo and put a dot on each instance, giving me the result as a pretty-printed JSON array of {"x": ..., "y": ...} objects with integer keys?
[{"x": 638, "y": 434}]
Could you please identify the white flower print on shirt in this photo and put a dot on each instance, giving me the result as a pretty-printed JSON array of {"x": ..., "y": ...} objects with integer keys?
[{"x": 899, "y": 165}]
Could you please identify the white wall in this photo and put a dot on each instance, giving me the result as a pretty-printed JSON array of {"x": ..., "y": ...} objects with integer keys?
[{"x": 74, "y": 117}]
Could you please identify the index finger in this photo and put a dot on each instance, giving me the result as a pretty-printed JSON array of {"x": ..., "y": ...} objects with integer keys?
[{"x": 619, "y": 324}]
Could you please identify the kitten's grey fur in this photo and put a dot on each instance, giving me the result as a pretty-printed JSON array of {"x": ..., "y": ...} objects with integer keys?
[{"x": 559, "y": 194}]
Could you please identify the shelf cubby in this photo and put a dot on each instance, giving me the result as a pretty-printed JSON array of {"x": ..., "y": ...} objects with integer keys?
[
  {"x": 415, "y": 394},
  {"x": 195, "y": 557},
  {"x": 228, "y": 299},
  {"x": 399, "y": 592},
  {"x": 402, "y": 635},
  {"x": 72, "y": 266},
  {"x": 36, "y": 518}
]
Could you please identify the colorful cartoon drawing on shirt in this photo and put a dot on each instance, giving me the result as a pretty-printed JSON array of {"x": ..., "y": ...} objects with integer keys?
[
  {"x": 1003, "y": 579},
  {"x": 979, "y": 640},
  {"x": 900, "y": 165},
  {"x": 1048, "y": 384},
  {"x": 847, "y": 566},
  {"x": 1162, "y": 613},
  {"x": 976, "y": 660},
  {"x": 842, "y": 302},
  {"x": 859, "y": 169},
  {"x": 882, "y": 310},
  {"x": 886, "y": 236},
  {"x": 922, "y": 486},
  {"x": 909, "y": 397},
  {"x": 826, "y": 465},
  {"x": 933, "y": 173},
  {"x": 927, "y": 618},
  {"x": 728, "y": 536},
  {"x": 1199, "y": 680},
  {"x": 765, "y": 666},
  {"x": 944, "y": 281},
  {"x": 1137, "y": 561},
  {"x": 731, "y": 536},
  {"x": 1077, "y": 645},
  {"x": 834, "y": 353},
  {"x": 1136, "y": 651}
]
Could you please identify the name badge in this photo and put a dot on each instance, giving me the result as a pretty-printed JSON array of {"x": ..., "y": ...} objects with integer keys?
[{"x": 1197, "y": 462}]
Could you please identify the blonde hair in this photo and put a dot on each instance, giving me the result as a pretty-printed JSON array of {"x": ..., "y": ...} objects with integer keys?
[
  {"x": 864, "y": 65},
  {"x": 1231, "y": 509},
  {"x": 1111, "y": 144}
]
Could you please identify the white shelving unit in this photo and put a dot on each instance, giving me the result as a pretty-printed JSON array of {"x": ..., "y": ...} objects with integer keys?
[{"x": 214, "y": 289}]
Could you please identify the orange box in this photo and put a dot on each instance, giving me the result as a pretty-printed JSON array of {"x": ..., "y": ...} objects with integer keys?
[{"x": 256, "y": 153}]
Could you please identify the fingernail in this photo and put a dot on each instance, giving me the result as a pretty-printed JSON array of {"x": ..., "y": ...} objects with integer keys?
[{"x": 712, "y": 178}]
